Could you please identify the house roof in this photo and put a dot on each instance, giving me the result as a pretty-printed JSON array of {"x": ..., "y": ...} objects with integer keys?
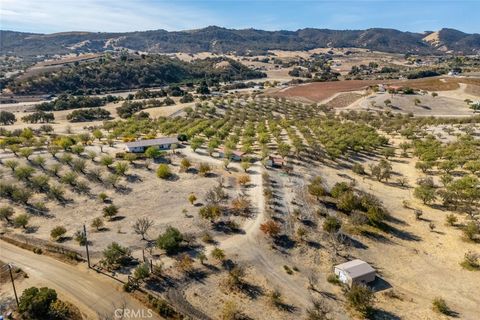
[
  {"x": 151, "y": 142},
  {"x": 277, "y": 160},
  {"x": 234, "y": 152},
  {"x": 356, "y": 268}
]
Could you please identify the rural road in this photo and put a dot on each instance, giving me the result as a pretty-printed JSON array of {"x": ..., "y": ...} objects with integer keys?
[{"x": 96, "y": 296}]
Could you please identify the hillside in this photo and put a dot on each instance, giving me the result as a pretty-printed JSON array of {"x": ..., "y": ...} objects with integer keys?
[
  {"x": 221, "y": 40},
  {"x": 131, "y": 71}
]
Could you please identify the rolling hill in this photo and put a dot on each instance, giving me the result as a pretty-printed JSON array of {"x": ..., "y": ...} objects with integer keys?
[{"x": 222, "y": 40}]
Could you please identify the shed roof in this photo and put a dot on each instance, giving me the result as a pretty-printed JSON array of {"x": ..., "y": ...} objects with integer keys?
[
  {"x": 234, "y": 152},
  {"x": 356, "y": 268},
  {"x": 152, "y": 142}
]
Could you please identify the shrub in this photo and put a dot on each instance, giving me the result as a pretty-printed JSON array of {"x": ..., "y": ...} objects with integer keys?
[
  {"x": 333, "y": 279},
  {"x": 115, "y": 255},
  {"x": 141, "y": 272},
  {"x": 243, "y": 180},
  {"x": 218, "y": 254},
  {"x": 331, "y": 224},
  {"x": 170, "y": 240},
  {"x": 339, "y": 189},
  {"x": 210, "y": 212},
  {"x": 204, "y": 169},
  {"x": 287, "y": 269},
  {"x": 57, "y": 233},
  {"x": 471, "y": 261},
  {"x": 451, "y": 219},
  {"x": 192, "y": 198},
  {"x": 358, "y": 169},
  {"x": 439, "y": 305},
  {"x": 163, "y": 171},
  {"x": 270, "y": 228},
  {"x": 471, "y": 230},
  {"x": 80, "y": 237},
  {"x": 315, "y": 188},
  {"x": 361, "y": 299},
  {"x": 102, "y": 196}
]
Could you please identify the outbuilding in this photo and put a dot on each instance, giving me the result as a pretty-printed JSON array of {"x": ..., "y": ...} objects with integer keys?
[
  {"x": 236, "y": 155},
  {"x": 355, "y": 272},
  {"x": 275, "y": 162},
  {"x": 164, "y": 143}
]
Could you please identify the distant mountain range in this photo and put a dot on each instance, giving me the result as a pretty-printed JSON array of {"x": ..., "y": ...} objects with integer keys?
[{"x": 222, "y": 40}]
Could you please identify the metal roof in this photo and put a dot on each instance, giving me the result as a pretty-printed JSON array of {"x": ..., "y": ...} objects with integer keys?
[
  {"x": 152, "y": 142},
  {"x": 356, "y": 268}
]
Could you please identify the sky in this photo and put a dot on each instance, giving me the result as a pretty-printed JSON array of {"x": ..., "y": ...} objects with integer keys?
[{"x": 49, "y": 16}]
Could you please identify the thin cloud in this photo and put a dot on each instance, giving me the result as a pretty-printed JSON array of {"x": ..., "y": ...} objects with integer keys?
[{"x": 96, "y": 15}]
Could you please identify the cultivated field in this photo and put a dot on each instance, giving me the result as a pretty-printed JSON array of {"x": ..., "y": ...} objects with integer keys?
[{"x": 262, "y": 241}]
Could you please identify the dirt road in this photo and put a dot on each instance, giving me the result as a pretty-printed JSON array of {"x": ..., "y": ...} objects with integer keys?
[
  {"x": 96, "y": 296},
  {"x": 250, "y": 246}
]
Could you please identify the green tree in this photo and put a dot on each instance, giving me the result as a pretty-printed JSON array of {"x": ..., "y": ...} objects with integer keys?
[
  {"x": 35, "y": 303},
  {"x": 6, "y": 213},
  {"x": 106, "y": 160},
  {"x": 12, "y": 164},
  {"x": 121, "y": 168},
  {"x": 110, "y": 211},
  {"x": 152, "y": 153},
  {"x": 21, "y": 220},
  {"x": 196, "y": 143},
  {"x": 97, "y": 223},
  {"x": 26, "y": 152},
  {"x": 7, "y": 118}
]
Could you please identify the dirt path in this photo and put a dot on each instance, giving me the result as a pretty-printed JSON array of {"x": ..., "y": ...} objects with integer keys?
[
  {"x": 97, "y": 297},
  {"x": 251, "y": 248}
]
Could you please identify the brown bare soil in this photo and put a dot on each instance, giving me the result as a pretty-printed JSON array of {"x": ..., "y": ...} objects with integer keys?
[
  {"x": 318, "y": 91},
  {"x": 438, "y": 83},
  {"x": 472, "y": 89},
  {"x": 344, "y": 100}
]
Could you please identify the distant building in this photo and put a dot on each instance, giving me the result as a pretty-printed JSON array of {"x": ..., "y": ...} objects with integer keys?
[
  {"x": 355, "y": 272},
  {"x": 275, "y": 162},
  {"x": 237, "y": 155},
  {"x": 164, "y": 143}
]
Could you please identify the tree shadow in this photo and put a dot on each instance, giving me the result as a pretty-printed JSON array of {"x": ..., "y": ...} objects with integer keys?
[
  {"x": 376, "y": 236},
  {"x": 400, "y": 234},
  {"x": 284, "y": 241},
  {"x": 133, "y": 178},
  {"x": 380, "y": 314}
]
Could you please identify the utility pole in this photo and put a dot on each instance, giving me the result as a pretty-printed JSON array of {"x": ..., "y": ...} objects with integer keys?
[
  {"x": 86, "y": 245},
  {"x": 13, "y": 283}
]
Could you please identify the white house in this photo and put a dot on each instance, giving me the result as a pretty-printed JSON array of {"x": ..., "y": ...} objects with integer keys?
[
  {"x": 355, "y": 272},
  {"x": 164, "y": 143}
]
